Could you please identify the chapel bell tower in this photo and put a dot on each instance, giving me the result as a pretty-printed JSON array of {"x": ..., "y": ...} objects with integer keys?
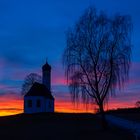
[{"x": 46, "y": 75}]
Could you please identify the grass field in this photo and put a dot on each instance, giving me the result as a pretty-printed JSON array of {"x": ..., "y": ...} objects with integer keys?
[{"x": 57, "y": 126}]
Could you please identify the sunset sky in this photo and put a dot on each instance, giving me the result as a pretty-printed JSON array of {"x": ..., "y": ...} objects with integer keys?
[{"x": 33, "y": 30}]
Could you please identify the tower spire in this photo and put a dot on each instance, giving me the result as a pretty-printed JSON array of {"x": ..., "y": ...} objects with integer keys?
[
  {"x": 46, "y": 59},
  {"x": 46, "y": 75}
]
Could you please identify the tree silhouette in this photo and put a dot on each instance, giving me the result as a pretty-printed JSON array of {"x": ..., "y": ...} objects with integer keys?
[
  {"x": 29, "y": 81},
  {"x": 138, "y": 104},
  {"x": 97, "y": 56}
]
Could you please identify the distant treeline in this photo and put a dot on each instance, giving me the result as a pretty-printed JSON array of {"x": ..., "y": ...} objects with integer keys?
[{"x": 124, "y": 110}]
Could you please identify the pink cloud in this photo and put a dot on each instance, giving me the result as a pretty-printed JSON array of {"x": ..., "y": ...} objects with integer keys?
[{"x": 59, "y": 81}]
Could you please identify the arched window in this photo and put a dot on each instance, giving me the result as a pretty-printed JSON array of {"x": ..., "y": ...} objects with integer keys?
[
  {"x": 50, "y": 105},
  {"x": 38, "y": 103},
  {"x": 29, "y": 103}
]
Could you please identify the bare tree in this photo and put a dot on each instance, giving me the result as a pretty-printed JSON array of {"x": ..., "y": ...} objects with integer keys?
[
  {"x": 138, "y": 104},
  {"x": 29, "y": 81},
  {"x": 97, "y": 56}
]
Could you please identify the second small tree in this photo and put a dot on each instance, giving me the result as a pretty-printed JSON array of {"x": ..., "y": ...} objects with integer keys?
[{"x": 29, "y": 81}]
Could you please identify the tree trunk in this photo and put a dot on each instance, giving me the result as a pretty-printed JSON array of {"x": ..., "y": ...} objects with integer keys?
[{"x": 103, "y": 118}]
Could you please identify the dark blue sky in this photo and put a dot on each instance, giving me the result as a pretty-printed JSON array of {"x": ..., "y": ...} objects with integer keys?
[{"x": 33, "y": 30}]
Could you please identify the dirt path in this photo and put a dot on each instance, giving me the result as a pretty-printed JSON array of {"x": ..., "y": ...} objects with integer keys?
[{"x": 132, "y": 126}]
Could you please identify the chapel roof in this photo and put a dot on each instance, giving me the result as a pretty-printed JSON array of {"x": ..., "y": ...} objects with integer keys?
[{"x": 38, "y": 89}]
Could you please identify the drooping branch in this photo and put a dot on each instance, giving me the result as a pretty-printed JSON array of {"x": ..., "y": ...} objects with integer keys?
[{"x": 98, "y": 55}]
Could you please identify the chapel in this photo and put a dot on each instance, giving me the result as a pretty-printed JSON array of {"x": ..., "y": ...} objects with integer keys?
[{"x": 39, "y": 98}]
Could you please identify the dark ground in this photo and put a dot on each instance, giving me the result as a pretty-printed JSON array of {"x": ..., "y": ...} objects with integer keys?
[
  {"x": 57, "y": 126},
  {"x": 132, "y": 114}
]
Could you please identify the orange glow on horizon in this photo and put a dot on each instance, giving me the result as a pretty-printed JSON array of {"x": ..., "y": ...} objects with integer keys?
[
  {"x": 69, "y": 107},
  {"x": 10, "y": 105}
]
